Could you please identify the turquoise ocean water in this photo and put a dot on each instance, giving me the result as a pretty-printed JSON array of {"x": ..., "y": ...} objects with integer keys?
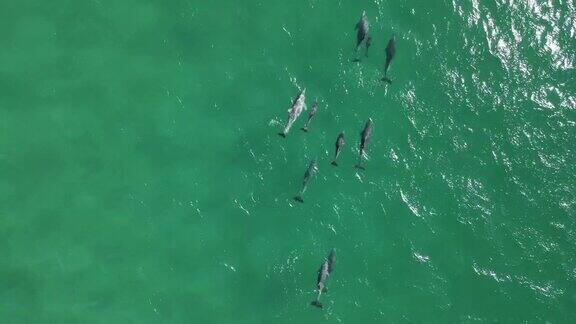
[{"x": 142, "y": 179}]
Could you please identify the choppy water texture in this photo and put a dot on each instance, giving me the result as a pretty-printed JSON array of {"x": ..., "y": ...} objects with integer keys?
[{"x": 142, "y": 179}]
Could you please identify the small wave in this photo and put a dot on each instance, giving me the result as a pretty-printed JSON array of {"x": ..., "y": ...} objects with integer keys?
[
  {"x": 420, "y": 257},
  {"x": 413, "y": 209},
  {"x": 490, "y": 273}
]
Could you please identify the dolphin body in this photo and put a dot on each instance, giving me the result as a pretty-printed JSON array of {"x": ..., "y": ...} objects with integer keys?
[
  {"x": 364, "y": 139},
  {"x": 339, "y": 143},
  {"x": 362, "y": 29},
  {"x": 323, "y": 273},
  {"x": 390, "y": 52},
  {"x": 311, "y": 115},
  {"x": 310, "y": 172},
  {"x": 294, "y": 112}
]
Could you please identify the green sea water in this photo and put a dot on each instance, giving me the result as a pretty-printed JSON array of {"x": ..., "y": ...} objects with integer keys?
[{"x": 142, "y": 179}]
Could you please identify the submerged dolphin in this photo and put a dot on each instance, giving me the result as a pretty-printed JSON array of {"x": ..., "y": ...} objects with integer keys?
[
  {"x": 294, "y": 112},
  {"x": 312, "y": 168},
  {"x": 311, "y": 115},
  {"x": 339, "y": 143},
  {"x": 364, "y": 139},
  {"x": 323, "y": 273},
  {"x": 368, "y": 43},
  {"x": 390, "y": 52}
]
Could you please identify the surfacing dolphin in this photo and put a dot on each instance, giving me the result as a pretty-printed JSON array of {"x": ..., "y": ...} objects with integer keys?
[
  {"x": 390, "y": 52},
  {"x": 294, "y": 112},
  {"x": 311, "y": 115},
  {"x": 362, "y": 29},
  {"x": 339, "y": 143},
  {"x": 364, "y": 139},
  {"x": 323, "y": 273},
  {"x": 312, "y": 168}
]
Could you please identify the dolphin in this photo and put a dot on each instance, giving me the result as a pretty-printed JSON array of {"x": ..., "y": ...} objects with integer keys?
[
  {"x": 390, "y": 52},
  {"x": 339, "y": 143},
  {"x": 311, "y": 115},
  {"x": 362, "y": 27},
  {"x": 312, "y": 168},
  {"x": 294, "y": 112},
  {"x": 364, "y": 139},
  {"x": 323, "y": 273}
]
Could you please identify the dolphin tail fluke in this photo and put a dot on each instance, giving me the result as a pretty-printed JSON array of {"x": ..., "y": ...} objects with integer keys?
[
  {"x": 317, "y": 303},
  {"x": 282, "y": 134},
  {"x": 299, "y": 199},
  {"x": 334, "y": 163},
  {"x": 387, "y": 80}
]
